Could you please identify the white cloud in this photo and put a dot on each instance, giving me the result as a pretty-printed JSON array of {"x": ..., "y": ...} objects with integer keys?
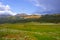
[
  {"x": 35, "y": 2},
  {"x": 6, "y": 9},
  {"x": 41, "y": 6},
  {"x": 38, "y": 4}
]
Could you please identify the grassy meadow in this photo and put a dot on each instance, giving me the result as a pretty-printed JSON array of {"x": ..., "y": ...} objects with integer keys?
[{"x": 30, "y": 31}]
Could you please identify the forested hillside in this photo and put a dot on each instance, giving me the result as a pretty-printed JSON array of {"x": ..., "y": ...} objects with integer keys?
[{"x": 52, "y": 18}]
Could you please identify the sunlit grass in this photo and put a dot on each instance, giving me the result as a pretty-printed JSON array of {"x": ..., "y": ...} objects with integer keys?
[{"x": 30, "y": 31}]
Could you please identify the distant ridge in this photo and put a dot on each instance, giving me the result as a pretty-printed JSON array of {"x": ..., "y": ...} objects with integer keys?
[
  {"x": 28, "y": 16},
  {"x": 5, "y": 15}
]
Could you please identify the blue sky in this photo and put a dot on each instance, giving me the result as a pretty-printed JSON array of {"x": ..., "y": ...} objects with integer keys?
[{"x": 29, "y": 6}]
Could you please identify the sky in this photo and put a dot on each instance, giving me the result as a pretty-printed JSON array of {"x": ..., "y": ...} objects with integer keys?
[{"x": 29, "y": 6}]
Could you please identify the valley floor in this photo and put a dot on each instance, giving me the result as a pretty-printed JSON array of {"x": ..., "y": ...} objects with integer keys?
[{"x": 30, "y": 31}]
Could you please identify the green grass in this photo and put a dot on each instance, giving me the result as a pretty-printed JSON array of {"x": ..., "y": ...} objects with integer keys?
[{"x": 32, "y": 31}]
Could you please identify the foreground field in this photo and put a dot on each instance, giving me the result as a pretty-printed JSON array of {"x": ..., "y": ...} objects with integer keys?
[{"x": 30, "y": 31}]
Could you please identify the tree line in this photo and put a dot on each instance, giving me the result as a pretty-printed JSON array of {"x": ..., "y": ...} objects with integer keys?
[{"x": 53, "y": 18}]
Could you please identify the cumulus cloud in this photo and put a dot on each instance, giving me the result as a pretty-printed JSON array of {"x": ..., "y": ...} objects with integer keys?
[{"x": 6, "y": 9}]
